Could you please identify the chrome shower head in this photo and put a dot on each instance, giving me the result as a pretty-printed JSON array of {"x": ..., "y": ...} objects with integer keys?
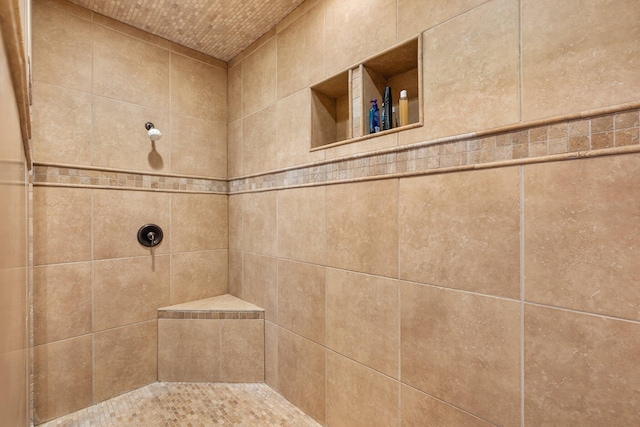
[{"x": 154, "y": 134}]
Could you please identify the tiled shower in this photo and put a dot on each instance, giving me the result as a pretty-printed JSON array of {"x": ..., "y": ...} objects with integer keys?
[{"x": 480, "y": 269}]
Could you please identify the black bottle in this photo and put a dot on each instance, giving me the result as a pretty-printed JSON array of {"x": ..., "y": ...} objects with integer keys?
[{"x": 387, "y": 119}]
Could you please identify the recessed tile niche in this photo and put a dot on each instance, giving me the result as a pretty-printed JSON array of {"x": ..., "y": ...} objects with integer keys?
[{"x": 340, "y": 104}]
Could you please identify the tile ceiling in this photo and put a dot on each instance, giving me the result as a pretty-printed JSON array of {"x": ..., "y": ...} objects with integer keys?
[{"x": 219, "y": 28}]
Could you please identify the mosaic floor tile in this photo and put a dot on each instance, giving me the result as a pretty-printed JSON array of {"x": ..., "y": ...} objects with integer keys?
[{"x": 191, "y": 405}]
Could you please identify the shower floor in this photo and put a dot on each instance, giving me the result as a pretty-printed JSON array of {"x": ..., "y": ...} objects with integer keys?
[{"x": 193, "y": 405}]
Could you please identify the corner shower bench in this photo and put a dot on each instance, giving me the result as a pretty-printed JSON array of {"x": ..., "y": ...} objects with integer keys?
[{"x": 217, "y": 339}]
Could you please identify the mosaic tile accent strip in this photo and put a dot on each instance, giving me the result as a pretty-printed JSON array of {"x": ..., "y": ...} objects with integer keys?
[
  {"x": 191, "y": 404},
  {"x": 572, "y": 136},
  {"x": 241, "y": 315},
  {"x": 96, "y": 178}
]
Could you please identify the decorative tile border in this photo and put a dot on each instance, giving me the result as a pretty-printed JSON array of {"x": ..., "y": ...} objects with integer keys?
[
  {"x": 208, "y": 314},
  {"x": 62, "y": 175},
  {"x": 542, "y": 142}
]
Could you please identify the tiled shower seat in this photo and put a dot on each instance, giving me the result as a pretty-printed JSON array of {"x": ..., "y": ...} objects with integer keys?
[{"x": 213, "y": 339}]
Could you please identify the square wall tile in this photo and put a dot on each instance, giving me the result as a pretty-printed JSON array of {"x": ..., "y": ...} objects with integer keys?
[
  {"x": 362, "y": 319},
  {"x": 301, "y": 225},
  {"x": 471, "y": 66},
  {"x": 62, "y": 381},
  {"x": 362, "y": 227},
  {"x": 301, "y": 52},
  {"x": 301, "y": 373},
  {"x": 356, "y": 30},
  {"x": 259, "y": 78},
  {"x": 367, "y": 145},
  {"x": 271, "y": 354},
  {"x": 259, "y": 149},
  {"x": 234, "y": 100},
  {"x": 416, "y": 16},
  {"x": 197, "y": 275},
  {"x": 13, "y": 200},
  {"x": 580, "y": 369},
  {"x": 198, "y": 147},
  {"x": 260, "y": 283},
  {"x": 13, "y": 368},
  {"x": 242, "y": 351},
  {"x": 62, "y": 302},
  {"x": 129, "y": 69},
  {"x": 259, "y": 222},
  {"x": 118, "y": 215},
  {"x": 62, "y": 51},
  {"x": 125, "y": 359},
  {"x": 61, "y": 130},
  {"x": 235, "y": 273},
  {"x": 198, "y": 89},
  {"x": 463, "y": 349},
  {"x": 63, "y": 215},
  {"x": 359, "y": 396},
  {"x": 14, "y": 310},
  {"x": 462, "y": 230},
  {"x": 120, "y": 139},
  {"x": 580, "y": 228},
  {"x": 293, "y": 124},
  {"x": 419, "y": 410},
  {"x": 129, "y": 290},
  {"x": 578, "y": 57},
  {"x": 235, "y": 221},
  {"x": 188, "y": 350},
  {"x": 301, "y": 299},
  {"x": 199, "y": 222},
  {"x": 234, "y": 149}
]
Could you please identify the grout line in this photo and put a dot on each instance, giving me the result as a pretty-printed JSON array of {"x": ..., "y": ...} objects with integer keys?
[
  {"x": 170, "y": 253},
  {"x": 520, "y": 67},
  {"x": 242, "y": 132},
  {"x": 399, "y": 311},
  {"x": 449, "y": 404},
  {"x": 522, "y": 296},
  {"x": 93, "y": 305},
  {"x": 93, "y": 97}
]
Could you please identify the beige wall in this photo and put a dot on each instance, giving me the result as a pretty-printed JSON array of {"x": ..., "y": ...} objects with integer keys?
[
  {"x": 486, "y": 64},
  {"x": 503, "y": 296},
  {"x": 389, "y": 301},
  {"x": 14, "y": 338},
  {"x": 96, "y": 290},
  {"x": 439, "y": 294}
]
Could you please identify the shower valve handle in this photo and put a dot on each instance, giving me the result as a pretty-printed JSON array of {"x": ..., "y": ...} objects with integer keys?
[{"x": 150, "y": 235}]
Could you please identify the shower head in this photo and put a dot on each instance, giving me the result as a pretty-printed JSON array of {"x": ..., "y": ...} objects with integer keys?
[{"x": 154, "y": 134}]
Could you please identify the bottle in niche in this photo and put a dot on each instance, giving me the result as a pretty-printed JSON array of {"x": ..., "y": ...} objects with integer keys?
[
  {"x": 374, "y": 117},
  {"x": 387, "y": 119},
  {"x": 404, "y": 108}
]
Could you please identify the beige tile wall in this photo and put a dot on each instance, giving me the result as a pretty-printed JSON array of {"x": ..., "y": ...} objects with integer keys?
[
  {"x": 486, "y": 64},
  {"x": 96, "y": 289},
  {"x": 14, "y": 258},
  {"x": 97, "y": 82},
  {"x": 408, "y": 298},
  {"x": 533, "y": 265}
]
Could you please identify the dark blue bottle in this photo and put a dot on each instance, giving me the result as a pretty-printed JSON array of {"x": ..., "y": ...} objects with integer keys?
[{"x": 374, "y": 117}]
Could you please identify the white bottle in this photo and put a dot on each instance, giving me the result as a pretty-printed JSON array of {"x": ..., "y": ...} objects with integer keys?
[{"x": 404, "y": 108}]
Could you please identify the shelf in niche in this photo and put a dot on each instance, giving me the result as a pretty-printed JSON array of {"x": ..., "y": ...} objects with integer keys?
[
  {"x": 330, "y": 105},
  {"x": 340, "y": 104},
  {"x": 397, "y": 68}
]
